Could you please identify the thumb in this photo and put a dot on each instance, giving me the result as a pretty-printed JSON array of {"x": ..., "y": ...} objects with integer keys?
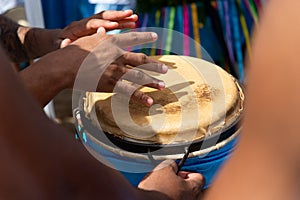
[
  {"x": 195, "y": 179},
  {"x": 65, "y": 43},
  {"x": 101, "y": 31}
]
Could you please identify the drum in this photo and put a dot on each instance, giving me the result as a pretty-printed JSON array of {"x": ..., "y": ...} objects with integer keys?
[{"x": 197, "y": 116}]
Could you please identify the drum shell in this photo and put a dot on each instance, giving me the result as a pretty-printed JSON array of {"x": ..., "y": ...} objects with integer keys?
[
  {"x": 134, "y": 166},
  {"x": 139, "y": 157}
]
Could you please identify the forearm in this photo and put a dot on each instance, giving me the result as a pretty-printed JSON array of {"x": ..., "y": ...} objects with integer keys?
[
  {"x": 53, "y": 73},
  {"x": 24, "y": 43},
  {"x": 46, "y": 78},
  {"x": 46, "y": 162}
]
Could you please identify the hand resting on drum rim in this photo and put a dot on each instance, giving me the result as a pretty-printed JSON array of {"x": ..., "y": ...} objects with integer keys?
[{"x": 188, "y": 185}]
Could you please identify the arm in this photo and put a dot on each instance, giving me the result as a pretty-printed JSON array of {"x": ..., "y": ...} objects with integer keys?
[
  {"x": 267, "y": 162},
  {"x": 40, "y": 161},
  {"x": 25, "y": 43}
]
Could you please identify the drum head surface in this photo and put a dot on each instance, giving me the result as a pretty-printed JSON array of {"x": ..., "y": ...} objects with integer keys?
[
  {"x": 103, "y": 138},
  {"x": 200, "y": 107}
]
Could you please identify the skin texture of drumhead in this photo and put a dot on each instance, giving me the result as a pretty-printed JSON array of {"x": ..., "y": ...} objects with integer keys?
[{"x": 200, "y": 99}]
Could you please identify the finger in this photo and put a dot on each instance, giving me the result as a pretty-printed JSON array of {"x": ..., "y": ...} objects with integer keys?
[
  {"x": 183, "y": 174},
  {"x": 113, "y": 15},
  {"x": 141, "y": 97},
  {"x": 132, "y": 18},
  {"x": 167, "y": 163},
  {"x": 134, "y": 38},
  {"x": 65, "y": 42},
  {"x": 196, "y": 180},
  {"x": 144, "y": 62},
  {"x": 142, "y": 78},
  {"x": 96, "y": 23},
  {"x": 123, "y": 25},
  {"x": 101, "y": 31},
  {"x": 89, "y": 28},
  {"x": 137, "y": 95}
]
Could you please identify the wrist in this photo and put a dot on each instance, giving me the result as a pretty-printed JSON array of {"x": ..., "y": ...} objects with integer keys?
[
  {"x": 56, "y": 38},
  {"x": 38, "y": 42},
  {"x": 51, "y": 38}
]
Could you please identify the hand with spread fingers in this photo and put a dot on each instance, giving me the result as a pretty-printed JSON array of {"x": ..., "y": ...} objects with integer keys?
[
  {"x": 97, "y": 63},
  {"x": 112, "y": 78},
  {"x": 85, "y": 41},
  {"x": 184, "y": 186},
  {"x": 109, "y": 66}
]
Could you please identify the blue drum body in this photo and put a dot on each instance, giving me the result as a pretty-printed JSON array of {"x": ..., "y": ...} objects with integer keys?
[{"x": 208, "y": 164}]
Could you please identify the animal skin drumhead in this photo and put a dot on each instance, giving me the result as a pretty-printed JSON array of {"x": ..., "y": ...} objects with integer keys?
[{"x": 200, "y": 99}]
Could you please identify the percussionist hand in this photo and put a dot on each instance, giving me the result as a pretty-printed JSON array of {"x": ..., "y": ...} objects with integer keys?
[
  {"x": 110, "y": 20},
  {"x": 183, "y": 186},
  {"x": 108, "y": 62}
]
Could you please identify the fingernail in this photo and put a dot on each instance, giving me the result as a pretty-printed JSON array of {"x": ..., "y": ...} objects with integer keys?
[
  {"x": 113, "y": 23},
  {"x": 128, "y": 10},
  {"x": 100, "y": 29},
  {"x": 164, "y": 68},
  {"x": 132, "y": 16},
  {"x": 154, "y": 36},
  {"x": 161, "y": 84},
  {"x": 149, "y": 101}
]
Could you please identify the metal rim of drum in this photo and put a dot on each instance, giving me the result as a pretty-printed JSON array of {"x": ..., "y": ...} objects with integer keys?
[{"x": 150, "y": 155}]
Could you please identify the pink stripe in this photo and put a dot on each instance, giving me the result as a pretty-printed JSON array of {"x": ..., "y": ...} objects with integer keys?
[
  {"x": 258, "y": 5},
  {"x": 186, "y": 50}
]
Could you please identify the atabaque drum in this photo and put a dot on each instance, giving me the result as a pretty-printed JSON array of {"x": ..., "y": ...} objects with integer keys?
[{"x": 196, "y": 115}]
